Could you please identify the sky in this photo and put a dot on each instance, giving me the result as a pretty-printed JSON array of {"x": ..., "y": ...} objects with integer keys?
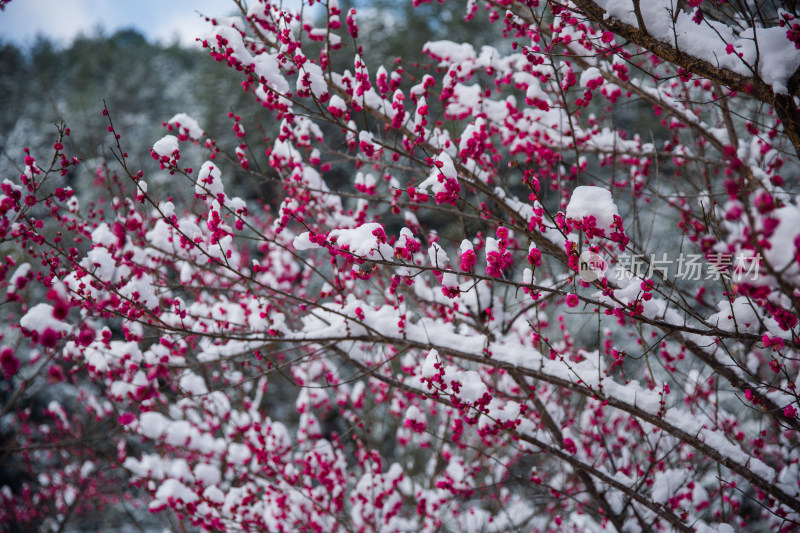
[{"x": 162, "y": 21}]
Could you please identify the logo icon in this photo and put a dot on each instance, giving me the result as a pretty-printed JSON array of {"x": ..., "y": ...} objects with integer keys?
[{"x": 591, "y": 266}]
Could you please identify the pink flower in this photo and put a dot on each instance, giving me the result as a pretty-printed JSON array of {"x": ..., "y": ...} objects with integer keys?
[
  {"x": 55, "y": 374},
  {"x": 790, "y": 411},
  {"x": 468, "y": 260},
  {"x": 535, "y": 257},
  {"x": 85, "y": 337},
  {"x": 496, "y": 262},
  {"x": 8, "y": 362},
  {"x": 776, "y": 343},
  {"x": 451, "y": 292},
  {"x": 60, "y": 309},
  {"x": 352, "y": 26},
  {"x": 569, "y": 445},
  {"x": 572, "y": 300},
  {"x": 49, "y": 338}
]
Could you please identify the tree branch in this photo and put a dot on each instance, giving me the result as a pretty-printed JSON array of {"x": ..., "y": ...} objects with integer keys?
[{"x": 753, "y": 85}]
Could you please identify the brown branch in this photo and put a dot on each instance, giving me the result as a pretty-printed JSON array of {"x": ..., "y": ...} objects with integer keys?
[
  {"x": 637, "y": 9},
  {"x": 794, "y": 83},
  {"x": 558, "y": 438},
  {"x": 577, "y": 464},
  {"x": 753, "y": 85},
  {"x": 694, "y": 441}
]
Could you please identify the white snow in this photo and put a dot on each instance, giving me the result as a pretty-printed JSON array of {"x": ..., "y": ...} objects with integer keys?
[
  {"x": 472, "y": 386},
  {"x": 781, "y": 252},
  {"x": 101, "y": 263},
  {"x": 739, "y": 315},
  {"x": 141, "y": 289},
  {"x": 428, "y": 371},
  {"x": 213, "y": 494},
  {"x": 193, "y": 384},
  {"x": 338, "y": 103},
  {"x": 302, "y": 242},
  {"x": 667, "y": 483},
  {"x": 103, "y": 236},
  {"x": 40, "y": 317},
  {"x": 449, "y": 52},
  {"x": 208, "y": 180},
  {"x": 591, "y": 73},
  {"x": 315, "y": 78},
  {"x": 592, "y": 201},
  {"x": 153, "y": 425},
  {"x": 172, "y": 488},
  {"x": 187, "y": 125},
  {"x": 415, "y": 415},
  {"x": 166, "y": 145},
  {"x": 438, "y": 256},
  {"x": 438, "y": 175},
  {"x": 362, "y": 241},
  {"x": 21, "y": 272}
]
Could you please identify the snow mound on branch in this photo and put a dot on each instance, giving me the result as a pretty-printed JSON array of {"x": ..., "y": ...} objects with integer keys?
[
  {"x": 449, "y": 52},
  {"x": 102, "y": 264},
  {"x": 428, "y": 370},
  {"x": 40, "y": 317},
  {"x": 363, "y": 240},
  {"x": 21, "y": 272},
  {"x": 780, "y": 253},
  {"x": 209, "y": 181},
  {"x": 438, "y": 256},
  {"x": 187, "y": 123},
  {"x": 592, "y": 201},
  {"x": 303, "y": 242},
  {"x": 141, "y": 289},
  {"x": 173, "y": 489},
  {"x": 312, "y": 77},
  {"x": 103, "y": 236},
  {"x": 443, "y": 169},
  {"x": 166, "y": 145},
  {"x": 739, "y": 315},
  {"x": 153, "y": 425}
]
